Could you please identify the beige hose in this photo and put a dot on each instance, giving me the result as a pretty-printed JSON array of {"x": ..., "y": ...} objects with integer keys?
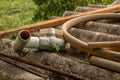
[
  {"x": 108, "y": 64},
  {"x": 82, "y": 46},
  {"x": 107, "y": 44}
]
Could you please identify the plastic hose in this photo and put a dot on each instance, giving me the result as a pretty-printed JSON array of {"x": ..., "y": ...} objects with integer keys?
[
  {"x": 82, "y": 46},
  {"x": 108, "y": 64}
]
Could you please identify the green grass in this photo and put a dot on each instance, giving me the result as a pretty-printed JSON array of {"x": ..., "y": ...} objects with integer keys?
[{"x": 15, "y": 13}]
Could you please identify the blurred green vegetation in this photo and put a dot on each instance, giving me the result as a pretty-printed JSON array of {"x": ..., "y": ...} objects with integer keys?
[
  {"x": 15, "y": 13},
  {"x": 46, "y": 8}
]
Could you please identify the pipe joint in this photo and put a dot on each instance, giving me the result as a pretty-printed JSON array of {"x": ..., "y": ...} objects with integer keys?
[
  {"x": 22, "y": 39},
  {"x": 50, "y": 42}
]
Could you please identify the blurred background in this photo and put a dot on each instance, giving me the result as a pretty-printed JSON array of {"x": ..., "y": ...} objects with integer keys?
[{"x": 15, "y": 13}]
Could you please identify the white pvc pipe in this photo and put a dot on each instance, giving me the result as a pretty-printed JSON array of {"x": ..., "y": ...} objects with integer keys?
[
  {"x": 51, "y": 32},
  {"x": 24, "y": 40},
  {"x": 21, "y": 40},
  {"x": 34, "y": 42}
]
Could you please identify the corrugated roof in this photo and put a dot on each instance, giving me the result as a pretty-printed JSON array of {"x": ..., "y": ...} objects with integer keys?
[{"x": 71, "y": 61}]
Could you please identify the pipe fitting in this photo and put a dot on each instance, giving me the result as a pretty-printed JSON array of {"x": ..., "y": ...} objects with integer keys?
[
  {"x": 21, "y": 40},
  {"x": 51, "y": 32},
  {"x": 50, "y": 43},
  {"x": 33, "y": 43}
]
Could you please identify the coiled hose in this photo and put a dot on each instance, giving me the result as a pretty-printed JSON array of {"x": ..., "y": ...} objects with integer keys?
[{"x": 82, "y": 46}]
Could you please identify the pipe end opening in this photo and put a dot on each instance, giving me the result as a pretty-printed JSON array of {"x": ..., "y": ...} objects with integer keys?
[{"x": 25, "y": 35}]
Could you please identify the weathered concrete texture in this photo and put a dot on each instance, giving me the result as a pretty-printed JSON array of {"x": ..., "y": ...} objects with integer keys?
[
  {"x": 84, "y": 9},
  {"x": 74, "y": 66},
  {"x": 1, "y": 42},
  {"x": 10, "y": 72},
  {"x": 102, "y": 27},
  {"x": 90, "y": 36},
  {"x": 68, "y": 13},
  {"x": 97, "y": 6},
  {"x": 63, "y": 61}
]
